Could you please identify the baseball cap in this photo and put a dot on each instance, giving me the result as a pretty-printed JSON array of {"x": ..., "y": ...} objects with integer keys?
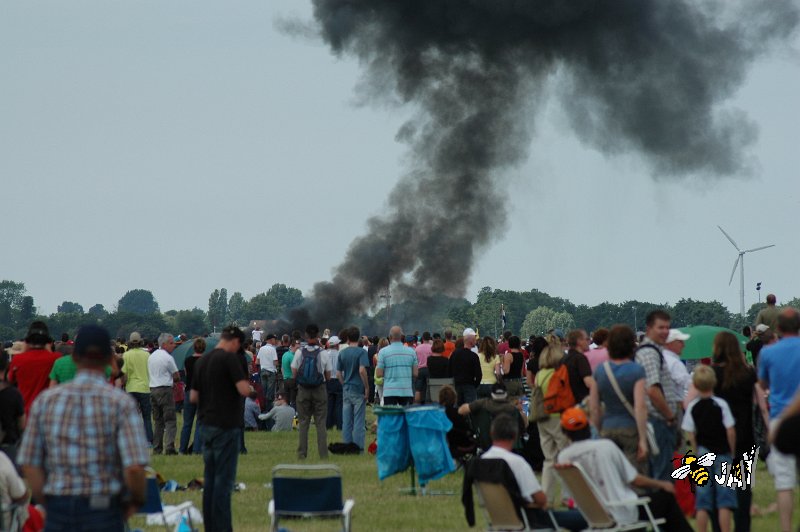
[
  {"x": 677, "y": 334},
  {"x": 469, "y": 332},
  {"x": 499, "y": 391},
  {"x": 334, "y": 340},
  {"x": 93, "y": 341},
  {"x": 574, "y": 418},
  {"x": 558, "y": 332},
  {"x": 761, "y": 327},
  {"x": 135, "y": 338}
]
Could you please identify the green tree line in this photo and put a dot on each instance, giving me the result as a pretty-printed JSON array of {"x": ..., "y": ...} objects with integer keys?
[
  {"x": 138, "y": 310},
  {"x": 531, "y": 312}
]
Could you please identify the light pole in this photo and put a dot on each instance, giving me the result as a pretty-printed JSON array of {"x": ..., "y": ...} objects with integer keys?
[
  {"x": 634, "y": 318},
  {"x": 758, "y": 289},
  {"x": 388, "y": 297}
]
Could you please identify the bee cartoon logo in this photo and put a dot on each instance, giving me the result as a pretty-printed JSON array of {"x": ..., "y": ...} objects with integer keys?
[
  {"x": 737, "y": 475},
  {"x": 695, "y": 469}
]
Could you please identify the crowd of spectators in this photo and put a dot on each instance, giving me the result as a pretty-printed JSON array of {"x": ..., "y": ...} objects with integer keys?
[{"x": 633, "y": 404}]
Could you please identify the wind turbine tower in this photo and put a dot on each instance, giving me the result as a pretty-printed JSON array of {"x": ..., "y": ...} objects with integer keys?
[{"x": 740, "y": 259}]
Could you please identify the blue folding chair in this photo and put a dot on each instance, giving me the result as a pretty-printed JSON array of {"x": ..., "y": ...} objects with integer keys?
[{"x": 306, "y": 491}]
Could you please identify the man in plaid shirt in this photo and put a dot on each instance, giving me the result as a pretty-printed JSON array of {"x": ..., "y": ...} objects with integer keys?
[
  {"x": 662, "y": 396},
  {"x": 84, "y": 450}
]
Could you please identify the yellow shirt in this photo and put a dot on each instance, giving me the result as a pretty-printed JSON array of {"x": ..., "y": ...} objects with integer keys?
[
  {"x": 487, "y": 369},
  {"x": 135, "y": 369}
]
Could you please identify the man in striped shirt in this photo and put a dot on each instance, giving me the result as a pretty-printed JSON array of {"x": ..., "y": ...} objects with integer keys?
[
  {"x": 398, "y": 366},
  {"x": 84, "y": 450}
]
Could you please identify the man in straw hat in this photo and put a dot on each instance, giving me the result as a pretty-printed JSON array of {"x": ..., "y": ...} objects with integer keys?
[{"x": 136, "y": 378}]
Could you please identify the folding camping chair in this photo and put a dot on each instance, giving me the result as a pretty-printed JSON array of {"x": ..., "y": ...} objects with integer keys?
[
  {"x": 153, "y": 505},
  {"x": 595, "y": 510},
  {"x": 435, "y": 386},
  {"x": 499, "y": 510},
  {"x": 498, "y": 496},
  {"x": 308, "y": 491}
]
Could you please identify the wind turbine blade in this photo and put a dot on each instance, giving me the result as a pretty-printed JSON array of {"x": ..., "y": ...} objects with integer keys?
[
  {"x": 759, "y": 249},
  {"x": 729, "y": 238},
  {"x": 735, "y": 264}
]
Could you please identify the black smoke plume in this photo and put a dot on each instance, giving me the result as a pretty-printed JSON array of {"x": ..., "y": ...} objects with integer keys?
[{"x": 643, "y": 76}]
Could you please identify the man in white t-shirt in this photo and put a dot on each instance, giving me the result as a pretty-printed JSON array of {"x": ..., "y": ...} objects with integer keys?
[
  {"x": 333, "y": 386},
  {"x": 267, "y": 358},
  {"x": 614, "y": 475},
  {"x": 163, "y": 375},
  {"x": 676, "y": 341},
  {"x": 504, "y": 431},
  {"x": 257, "y": 334}
]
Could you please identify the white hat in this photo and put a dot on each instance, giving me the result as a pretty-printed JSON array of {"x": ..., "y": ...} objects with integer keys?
[
  {"x": 16, "y": 348},
  {"x": 469, "y": 332},
  {"x": 334, "y": 340},
  {"x": 761, "y": 327},
  {"x": 676, "y": 334}
]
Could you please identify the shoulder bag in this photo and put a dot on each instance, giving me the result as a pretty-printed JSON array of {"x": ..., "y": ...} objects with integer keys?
[{"x": 651, "y": 433}]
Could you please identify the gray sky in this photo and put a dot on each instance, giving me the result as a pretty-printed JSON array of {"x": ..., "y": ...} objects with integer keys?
[{"x": 176, "y": 146}]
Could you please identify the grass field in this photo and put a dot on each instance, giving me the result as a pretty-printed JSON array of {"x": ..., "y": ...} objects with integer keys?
[{"x": 378, "y": 505}]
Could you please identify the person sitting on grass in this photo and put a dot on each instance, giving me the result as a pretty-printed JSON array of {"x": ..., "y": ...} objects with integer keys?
[
  {"x": 251, "y": 411},
  {"x": 505, "y": 432},
  {"x": 605, "y": 463},
  {"x": 281, "y": 415},
  {"x": 710, "y": 427}
]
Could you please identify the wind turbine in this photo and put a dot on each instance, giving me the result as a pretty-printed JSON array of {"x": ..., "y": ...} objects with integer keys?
[{"x": 739, "y": 259}]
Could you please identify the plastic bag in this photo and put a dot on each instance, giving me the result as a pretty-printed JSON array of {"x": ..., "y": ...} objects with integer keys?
[
  {"x": 428, "y": 427},
  {"x": 394, "y": 455}
]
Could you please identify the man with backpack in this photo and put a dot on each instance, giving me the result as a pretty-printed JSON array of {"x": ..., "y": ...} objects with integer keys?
[
  {"x": 310, "y": 371},
  {"x": 662, "y": 395}
]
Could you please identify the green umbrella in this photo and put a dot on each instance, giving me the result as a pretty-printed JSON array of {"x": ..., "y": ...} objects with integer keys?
[
  {"x": 701, "y": 341},
  {"x": 187, "y": 348}
]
